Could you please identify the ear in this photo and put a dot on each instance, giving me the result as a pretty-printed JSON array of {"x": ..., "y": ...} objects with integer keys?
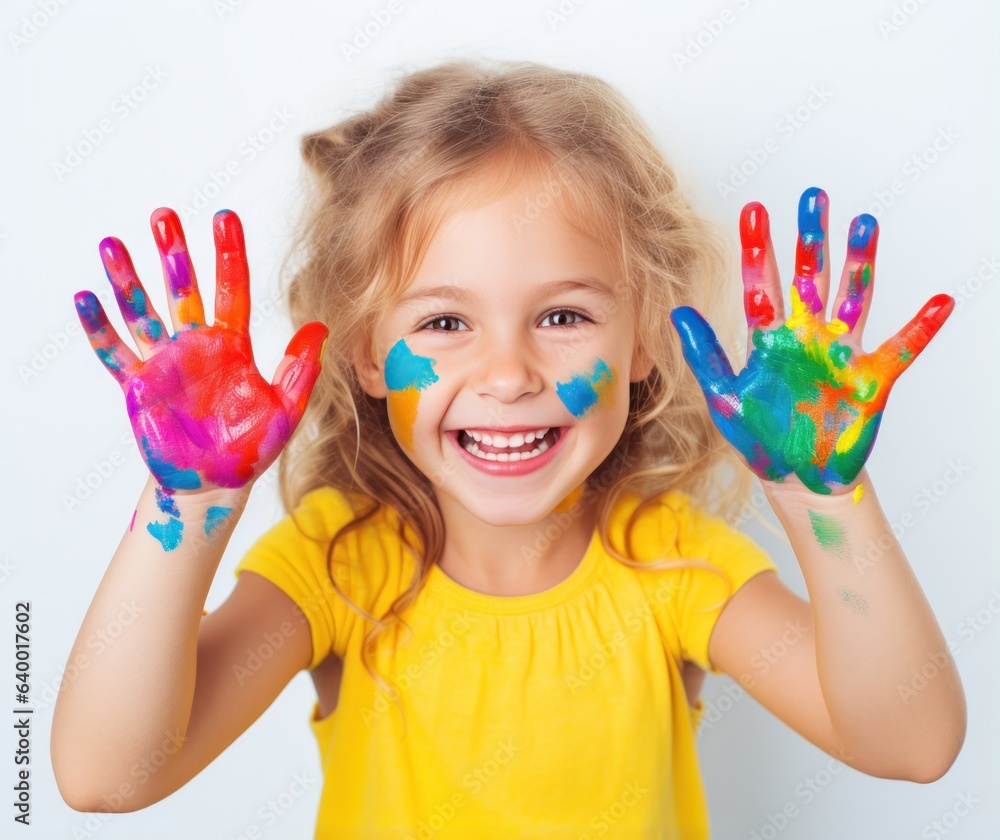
[
  {"x": 370, "y": 376},
  {"x": 641, "y": 364}
]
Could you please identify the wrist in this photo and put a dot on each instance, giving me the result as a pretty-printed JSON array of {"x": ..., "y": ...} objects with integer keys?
[
  {"x": 791, "y": 494},
  {"x": 195, "y": 503}
]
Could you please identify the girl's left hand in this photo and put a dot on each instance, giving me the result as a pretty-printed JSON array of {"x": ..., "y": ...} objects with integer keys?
[{"x": 810, "y": 399}]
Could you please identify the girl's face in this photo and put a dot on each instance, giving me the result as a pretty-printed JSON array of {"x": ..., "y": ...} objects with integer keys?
[{"x": 511, "y": 326}]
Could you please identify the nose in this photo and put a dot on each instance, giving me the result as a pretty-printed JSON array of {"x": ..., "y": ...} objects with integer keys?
[{"x": 506, "y": 369}]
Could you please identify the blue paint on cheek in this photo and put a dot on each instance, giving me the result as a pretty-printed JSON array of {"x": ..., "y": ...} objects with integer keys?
[
  {"x": 404, "y": 370},
  {"x": 582, "y": 392},
  {"x": 168, "y": 533}
]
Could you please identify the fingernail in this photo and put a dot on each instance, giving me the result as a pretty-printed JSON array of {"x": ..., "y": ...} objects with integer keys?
[{"x": 754, "y": 231}]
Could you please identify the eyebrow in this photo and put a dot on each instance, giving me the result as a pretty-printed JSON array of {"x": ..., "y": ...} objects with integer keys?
[{"x": 461, "y": 294}]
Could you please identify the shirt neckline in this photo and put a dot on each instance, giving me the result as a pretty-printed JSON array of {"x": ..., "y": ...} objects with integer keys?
[{"x": 439, "y": 581}]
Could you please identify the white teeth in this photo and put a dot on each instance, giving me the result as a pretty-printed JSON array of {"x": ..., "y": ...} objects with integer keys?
[
  {"x": 507, "y": 456},
  {"x": 515, "y": 440}
]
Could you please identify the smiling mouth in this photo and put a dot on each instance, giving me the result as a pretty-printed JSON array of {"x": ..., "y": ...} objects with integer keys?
[{"x": 525, "y": 451}]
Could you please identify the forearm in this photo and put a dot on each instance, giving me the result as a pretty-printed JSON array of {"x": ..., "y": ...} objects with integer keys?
[
  {"x": 134, "y": 659},
  {"x": 874, "y": 631}
]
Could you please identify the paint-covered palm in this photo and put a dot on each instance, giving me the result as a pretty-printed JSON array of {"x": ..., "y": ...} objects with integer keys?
[
  {"x": 809, "y": 400},
  {"x": 201, "y": 412}
]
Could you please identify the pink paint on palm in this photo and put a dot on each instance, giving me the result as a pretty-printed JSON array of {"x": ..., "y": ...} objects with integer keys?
[{"x": 200, "y": 410}]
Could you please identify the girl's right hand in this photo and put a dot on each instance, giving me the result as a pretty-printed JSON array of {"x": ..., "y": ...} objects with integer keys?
[{"x": 201, "y": 412}]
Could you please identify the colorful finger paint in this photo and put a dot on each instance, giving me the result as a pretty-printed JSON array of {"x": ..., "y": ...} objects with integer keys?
[
  {"x": 406, "y": 375},
  {"x": 754, "y": 234},
  {"x": 807, "y": 402},
  {"x": 813, "y": 209},
  {"x": 177, "y": 269},
  {"x": 587, "y": 393},
  {"x": 201, "y": 412},
  {"x": 862, "y": 243},
  {"x": 144, "y": 323},
  {"x": 859, "y": 491}
]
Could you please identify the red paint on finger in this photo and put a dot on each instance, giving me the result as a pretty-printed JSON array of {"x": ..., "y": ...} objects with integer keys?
[
  {"x": 754, "y": 235},
  {"x": 170, "y": 242}
]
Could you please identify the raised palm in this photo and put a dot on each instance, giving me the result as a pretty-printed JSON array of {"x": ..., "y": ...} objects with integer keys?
[
  {"x": 809, "y": 400},
  {"x": 201, "y": 412}
]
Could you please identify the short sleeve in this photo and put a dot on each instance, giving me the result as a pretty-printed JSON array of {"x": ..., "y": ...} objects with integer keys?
[
  {"x": 700, "y": 594},
  {"x": 299, "y": 567}
]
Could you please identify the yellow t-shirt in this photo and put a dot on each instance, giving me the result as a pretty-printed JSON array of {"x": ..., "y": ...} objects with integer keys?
[{"x": 558, "y": 714}]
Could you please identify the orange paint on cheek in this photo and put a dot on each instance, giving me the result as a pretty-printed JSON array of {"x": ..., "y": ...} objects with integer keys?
[
  {"x": 406, "y": 375},
  {"x": 403, "y": 413}
]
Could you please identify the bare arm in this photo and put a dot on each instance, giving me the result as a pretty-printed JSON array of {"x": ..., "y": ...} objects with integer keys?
[
  {"x": 151, "y": 705},
  {"x": 171, "y": 692},
  {"x": 839, "y": 669}
]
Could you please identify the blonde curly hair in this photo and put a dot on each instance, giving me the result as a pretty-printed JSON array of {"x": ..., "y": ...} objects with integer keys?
[{"x": 380, "y": 183}]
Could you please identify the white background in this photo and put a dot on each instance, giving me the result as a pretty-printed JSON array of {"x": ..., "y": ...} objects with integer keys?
[{"x": 894, "y": 77}]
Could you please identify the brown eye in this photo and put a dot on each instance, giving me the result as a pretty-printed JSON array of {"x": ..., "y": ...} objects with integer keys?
[
  {"x": 435, "y": 324},
  {"x": 559, "y": 313}
]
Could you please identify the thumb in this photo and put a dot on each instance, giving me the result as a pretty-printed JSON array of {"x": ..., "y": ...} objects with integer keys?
[
  {"x": 702, "y": 351},
  {"x": 297, "y": 371}
]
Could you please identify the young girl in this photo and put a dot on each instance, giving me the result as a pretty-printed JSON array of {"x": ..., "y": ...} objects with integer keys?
[{"x": 498, "y": 563}]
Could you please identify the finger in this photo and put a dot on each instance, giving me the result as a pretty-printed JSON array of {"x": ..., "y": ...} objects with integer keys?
[
  {"x": 184, "y": 299},
  {"x": 116, "y": 356},
  {"x": 811, "y": 283},
  {"x": 232, "y": 275},
  {"x": 896, "y": 354},
  {"x": 702, "y": 351},
  {"x": 298, "y": 370},
  {"x": 137, "y": 310},
  {"x": 856, "y": 283},
  {"x": 762, "y": 300}
]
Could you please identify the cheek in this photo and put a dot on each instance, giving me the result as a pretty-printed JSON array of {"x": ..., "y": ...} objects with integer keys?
[
  {"x": 589, "y": 393},
  {"x": 406, "y": 375}
]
